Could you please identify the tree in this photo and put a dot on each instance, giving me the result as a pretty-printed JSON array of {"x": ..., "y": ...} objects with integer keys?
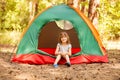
[
  {"x": 33, "y": 8},
  {"x": 74, "y": 3},
  {"x": 92, "y": 11},
  {"x": 2, "y": 13},
  {"x": 109, "y": 19},
  {"x": 14, "y": 14},
  {"x": 83, "y": 8}
]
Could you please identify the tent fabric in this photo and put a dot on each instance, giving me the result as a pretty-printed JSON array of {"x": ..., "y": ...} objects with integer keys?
[
  {"x": 42, "y": 59},
  {"x": 52, "y": 50},
  {"x": 88, "y": 37}
]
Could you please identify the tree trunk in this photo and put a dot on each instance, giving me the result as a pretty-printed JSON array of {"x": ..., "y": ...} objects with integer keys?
[
  {"x": 2, "y": 10},
  {"x": 33, "y": 8},
  {"x": 70, "y": 2},
  {"x": 83, "y": 9},
  {"x": 74, "y": 3},
  {"x": 92, "y": 11}
]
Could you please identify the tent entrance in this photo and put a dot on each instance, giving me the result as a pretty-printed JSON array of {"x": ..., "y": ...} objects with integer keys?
[{"x": 48, "y": 38}]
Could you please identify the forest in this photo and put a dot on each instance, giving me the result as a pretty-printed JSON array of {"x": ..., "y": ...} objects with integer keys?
[{"x": 16, "y": 15}]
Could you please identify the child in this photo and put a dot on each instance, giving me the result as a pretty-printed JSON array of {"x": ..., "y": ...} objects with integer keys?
[{"x": 63, "y": 49}]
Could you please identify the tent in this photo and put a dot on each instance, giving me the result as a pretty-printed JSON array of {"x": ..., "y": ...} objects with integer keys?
[{"x": 38, "y": 42}]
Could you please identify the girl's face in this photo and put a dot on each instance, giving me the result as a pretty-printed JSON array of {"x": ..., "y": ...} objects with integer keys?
[{"x": 64, "y": 39}]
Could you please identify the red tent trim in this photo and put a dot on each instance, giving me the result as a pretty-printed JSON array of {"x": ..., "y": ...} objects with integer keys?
[{"x": 43, "y": 59}]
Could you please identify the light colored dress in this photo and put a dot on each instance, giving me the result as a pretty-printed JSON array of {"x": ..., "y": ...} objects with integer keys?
[{"x": 64, "y": 48}]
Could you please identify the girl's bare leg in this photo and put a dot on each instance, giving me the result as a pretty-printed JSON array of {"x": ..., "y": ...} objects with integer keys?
[
  {"x": 67, "y": 58},
  {"x": 57, "y": 59},
  {"x": 68, "y": 61}
]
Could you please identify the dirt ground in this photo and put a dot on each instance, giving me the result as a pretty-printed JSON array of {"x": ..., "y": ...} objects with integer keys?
[{"x": 94, "y": 71}]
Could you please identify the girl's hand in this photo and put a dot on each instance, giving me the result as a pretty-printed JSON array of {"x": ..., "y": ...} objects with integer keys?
[
  {"x": 58, "y": 53},
  {"x": 69, "y": 54},
  {"x": 66, "y": 53}
]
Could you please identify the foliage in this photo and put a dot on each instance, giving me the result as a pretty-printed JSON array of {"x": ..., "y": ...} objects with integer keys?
[
  {"x": 14, "y": 15},
  {"x": 109, "y": 20},
  {"x": 9, "y": 37}
]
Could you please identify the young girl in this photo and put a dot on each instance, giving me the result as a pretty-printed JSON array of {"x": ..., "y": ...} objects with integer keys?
[{"x": 63, "y": 49}]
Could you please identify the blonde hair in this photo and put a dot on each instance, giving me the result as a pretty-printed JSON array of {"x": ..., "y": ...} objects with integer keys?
[{"x": 63, "y": 34}]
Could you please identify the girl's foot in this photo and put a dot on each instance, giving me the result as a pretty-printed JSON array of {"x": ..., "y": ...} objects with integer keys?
[
  {"x": 55, "y": 65},
  {"x": 68, "y": 64}
]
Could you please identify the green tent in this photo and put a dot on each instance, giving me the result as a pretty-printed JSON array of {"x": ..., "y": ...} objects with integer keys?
[{"x": 91, "y": 48}]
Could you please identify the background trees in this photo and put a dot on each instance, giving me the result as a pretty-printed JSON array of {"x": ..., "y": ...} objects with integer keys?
[
  {"x": 14, "y": 14},
  {"x": 109, "y": 20},
  {"x": 105, "y": 14}
]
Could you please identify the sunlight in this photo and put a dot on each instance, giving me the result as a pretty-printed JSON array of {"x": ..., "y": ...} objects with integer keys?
[{"x": 116, "y": 66}]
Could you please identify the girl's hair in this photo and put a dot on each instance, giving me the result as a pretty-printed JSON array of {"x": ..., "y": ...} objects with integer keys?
[{"x": 61, "y": 35}]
